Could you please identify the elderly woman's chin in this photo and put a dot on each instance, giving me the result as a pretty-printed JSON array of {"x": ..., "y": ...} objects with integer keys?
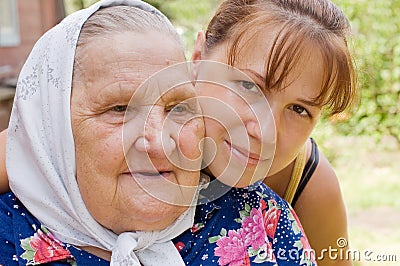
[
  {"x": 141, "y": 204},
  {"x": 153, "y": 216}
]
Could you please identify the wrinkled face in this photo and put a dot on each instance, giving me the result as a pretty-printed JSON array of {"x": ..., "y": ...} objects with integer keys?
[
  {"x": 137, "y": 154},
  {"x": 293, "y": 109}
]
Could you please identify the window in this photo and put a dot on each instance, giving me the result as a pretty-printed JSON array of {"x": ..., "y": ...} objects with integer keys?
[{"x": 9, "y": 28}]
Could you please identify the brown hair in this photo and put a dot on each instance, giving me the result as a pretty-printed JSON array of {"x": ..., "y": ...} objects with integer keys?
[{"x": 297, "y": 23}]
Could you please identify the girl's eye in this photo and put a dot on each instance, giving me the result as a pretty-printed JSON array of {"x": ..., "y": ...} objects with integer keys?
[
  {"x": 300, "y": 110},
  {"x": 119, "y": 108},
  {"x": 248, "y": 85},
  {"x": 179, "y": 108}
]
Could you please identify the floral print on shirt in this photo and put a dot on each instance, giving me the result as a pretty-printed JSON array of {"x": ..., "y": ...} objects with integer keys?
[
  {"x": 254, "y": 237},
  {"x": 25, "y": 241},
  {"x": 43, "y": 247},
  {"x": 245, "y": 226}
]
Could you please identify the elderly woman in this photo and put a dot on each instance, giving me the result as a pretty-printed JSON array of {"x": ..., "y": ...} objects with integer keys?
[{"x": 84, "y": 153}]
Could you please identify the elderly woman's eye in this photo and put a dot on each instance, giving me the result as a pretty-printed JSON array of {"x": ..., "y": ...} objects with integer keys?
[{"x": 119, "y": 108}]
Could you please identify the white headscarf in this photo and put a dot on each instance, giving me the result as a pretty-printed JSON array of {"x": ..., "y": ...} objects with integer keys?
[{"x": 41, "y": 154}]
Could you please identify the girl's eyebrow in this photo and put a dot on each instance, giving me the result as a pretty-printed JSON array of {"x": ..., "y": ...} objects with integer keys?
[
  {"x": 309, "y": 102},
  {"x": 260, "y": 78}
]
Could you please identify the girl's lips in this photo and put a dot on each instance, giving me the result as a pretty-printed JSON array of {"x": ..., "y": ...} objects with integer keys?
[{"x": 243, "y": 155}]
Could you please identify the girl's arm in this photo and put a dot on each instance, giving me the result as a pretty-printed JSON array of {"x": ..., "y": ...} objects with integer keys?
[
  {"x": 322, "y": 212},
  {"x": 4, "y": 187}
]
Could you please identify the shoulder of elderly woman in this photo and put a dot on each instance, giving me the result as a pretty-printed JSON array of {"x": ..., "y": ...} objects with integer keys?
[{"x": 24, "y": 240}]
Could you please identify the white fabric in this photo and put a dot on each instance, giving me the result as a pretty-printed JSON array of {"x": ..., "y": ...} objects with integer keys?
[{"x": 41, "y": 156}]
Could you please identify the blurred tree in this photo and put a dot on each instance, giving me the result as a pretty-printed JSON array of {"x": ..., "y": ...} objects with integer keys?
[
  {"x": 78, "y": 4},
  {"x": 188, "y": 16},
  {"x": 74, "y": 5},
  {"x": 160, "y": 5},
  {"x": 376, "y": 46}
]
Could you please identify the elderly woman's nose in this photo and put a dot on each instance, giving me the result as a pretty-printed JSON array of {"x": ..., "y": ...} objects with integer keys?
[
  {"x": 156, "y": 139},
  {"x": 155, "y": 146}
]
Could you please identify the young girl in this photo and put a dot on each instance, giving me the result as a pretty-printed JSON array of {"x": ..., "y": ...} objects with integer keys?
[{"x": 296, "y": 52}]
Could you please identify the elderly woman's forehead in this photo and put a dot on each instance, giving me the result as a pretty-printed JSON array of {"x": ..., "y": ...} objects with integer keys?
[
  {"x": 129, "y": 61},
  {"x": 129, "y": 48}
]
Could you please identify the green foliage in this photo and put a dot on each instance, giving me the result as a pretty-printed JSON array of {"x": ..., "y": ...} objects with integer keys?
[
  {"x": 74, "y": 5},
  {"x": 376, "y": 48},
  {"x": 188, "y": 16},
  {"x": 375, "y": 45}
]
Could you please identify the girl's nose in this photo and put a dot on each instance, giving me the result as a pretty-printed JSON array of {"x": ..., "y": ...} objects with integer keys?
[{"x": 261, "y": 125}]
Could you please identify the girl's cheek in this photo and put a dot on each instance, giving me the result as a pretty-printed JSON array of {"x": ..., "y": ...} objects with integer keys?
[{"x": 190, "y": 138}]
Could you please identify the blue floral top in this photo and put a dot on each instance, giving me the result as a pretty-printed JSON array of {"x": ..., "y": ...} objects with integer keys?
[
  {"x": 246, "y": 226},
  {"x": 249, "y": 226},
  {"x": 24, "y": 241}
]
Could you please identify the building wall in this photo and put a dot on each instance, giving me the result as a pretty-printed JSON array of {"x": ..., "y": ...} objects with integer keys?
[{"x": 35, "y": 17}]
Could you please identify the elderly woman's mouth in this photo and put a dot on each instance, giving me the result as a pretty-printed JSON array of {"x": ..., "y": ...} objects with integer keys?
[{"x": 150, "y": 174}]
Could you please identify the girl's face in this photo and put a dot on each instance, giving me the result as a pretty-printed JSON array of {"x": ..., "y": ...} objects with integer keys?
[
  {"x": 293, "y": 108},
  {"x": 238, "y": 148}
]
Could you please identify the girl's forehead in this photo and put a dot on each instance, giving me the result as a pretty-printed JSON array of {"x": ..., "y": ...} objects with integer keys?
[{"x": 278, "y": 42}]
